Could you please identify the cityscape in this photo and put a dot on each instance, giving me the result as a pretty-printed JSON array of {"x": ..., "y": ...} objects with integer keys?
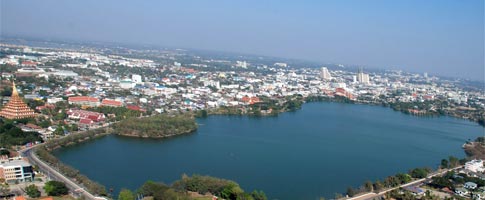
[{"x": 116, "y": 120}]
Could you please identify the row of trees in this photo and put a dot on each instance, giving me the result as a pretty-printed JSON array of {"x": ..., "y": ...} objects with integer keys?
[
  {"x": 157, "y": 126},
  {"x": 70, "y": 172},
  {"x": 451, "y": 179},
  {"x": 390, "y": 181},
  {"x": 222, "y": 188},
  {"x": 44, "y": 153},
  {"x": 403, "y": 178},
  {"x": 52, "y": 188},
  {"x": 75, "y": 138},
  {"x": 225, "y": 189}
]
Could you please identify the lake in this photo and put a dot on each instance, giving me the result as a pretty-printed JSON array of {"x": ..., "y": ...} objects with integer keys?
[{"x": 314, "y": 152}]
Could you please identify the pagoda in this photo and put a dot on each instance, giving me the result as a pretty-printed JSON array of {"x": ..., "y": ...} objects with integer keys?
[{"x": 16, "y": 108}]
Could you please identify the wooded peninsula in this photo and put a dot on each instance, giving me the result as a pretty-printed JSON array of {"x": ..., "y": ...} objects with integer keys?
[{"x": 157, "y": 126}]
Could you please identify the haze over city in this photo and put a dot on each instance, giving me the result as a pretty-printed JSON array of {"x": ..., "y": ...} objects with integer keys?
[{"x": 439, "y": 37}]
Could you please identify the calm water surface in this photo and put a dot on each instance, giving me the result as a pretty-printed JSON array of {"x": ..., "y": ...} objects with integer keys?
[{"x": 314, "y": 152}]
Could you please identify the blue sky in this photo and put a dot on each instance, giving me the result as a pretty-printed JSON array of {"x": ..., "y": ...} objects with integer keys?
[{"x": 444, "y": 37}]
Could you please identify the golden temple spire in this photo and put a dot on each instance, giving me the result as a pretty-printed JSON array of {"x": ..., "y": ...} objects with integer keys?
[
  {"x": 14, "y": 89},
  {"x": 16, "y": 107}
]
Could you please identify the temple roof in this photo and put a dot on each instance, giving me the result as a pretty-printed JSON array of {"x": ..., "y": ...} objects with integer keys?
[{"x": 16, "y": 107}]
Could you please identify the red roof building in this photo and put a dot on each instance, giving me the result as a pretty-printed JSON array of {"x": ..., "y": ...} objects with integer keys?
[
  {"x": 342, "y": 92},
  {"x": 112, "y": 103},
  {"x": 84, "y": 101},
  {"x": 28, "y": 63},
  {"x": 135, "y": 108},
  {"x": 85, "y": 115},
  {"x": 250, "y": 100}
]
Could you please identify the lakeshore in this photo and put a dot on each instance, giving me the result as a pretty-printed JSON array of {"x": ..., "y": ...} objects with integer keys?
[{"x": 226, "y": 146}]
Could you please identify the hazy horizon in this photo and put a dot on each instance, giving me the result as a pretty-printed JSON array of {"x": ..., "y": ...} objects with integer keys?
[{"x": 439, "y": 37}]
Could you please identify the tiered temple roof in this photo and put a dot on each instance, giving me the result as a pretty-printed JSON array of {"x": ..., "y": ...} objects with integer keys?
[{"x": 16, "y": 108}]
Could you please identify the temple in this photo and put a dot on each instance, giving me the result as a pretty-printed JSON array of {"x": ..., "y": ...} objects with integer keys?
[{"x": 16, "y": 108}]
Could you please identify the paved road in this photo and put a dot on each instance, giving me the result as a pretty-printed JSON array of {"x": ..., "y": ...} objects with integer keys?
[
  {"x": 372, "y": 195},
  {"x": 53, "y": 174}
]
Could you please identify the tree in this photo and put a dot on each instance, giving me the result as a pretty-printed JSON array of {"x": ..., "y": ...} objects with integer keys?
[
  {"x": 454, "y": 162},
  {"x": 32, "y": 191},
  {"x": 444, "y": 164},
  {"x": 403, "y": 178},
  {"x": 126, "y": 194},
  {"x": 441, "y": 182},
  {"x": 59, "y": 130},
  {"x": 378, "y": 186},
  {"x": 368, "y": 186},
  {"x": 351, "y": 191},
  {"x": 151, "y": 188},
  {"x": 231, "y": 191},
  {"x": 4, "y": 190},
  {"x": 74, "y": 127},
  {"x": 55, "y": 188},
  {"x": 419, "y": 173},
  {"x": 258, "y": 195}
]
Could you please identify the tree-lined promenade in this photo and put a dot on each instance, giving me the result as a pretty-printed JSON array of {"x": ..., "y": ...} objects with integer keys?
[{"x": 371, "y": 190}]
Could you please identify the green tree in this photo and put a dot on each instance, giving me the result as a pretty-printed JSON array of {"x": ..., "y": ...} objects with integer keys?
[
  {"x": 4, "y": 189},
  {"x": 258, "y": 195},
  {"x": 444, "y": 164},
  {"x": 368, "y": 186},
  {"x": 403, "y": 178},
  {"x": 74, "y": 127},
  {"x": 378, "y": 186},
  {"x": 441, "y": 182},
  {"x": 59, "y": 130},
  {"x": 419, "y": 173},
  {"x": 351, "y": 191},
  {"x": 126, "y": 194},
  {"x": 32, "y": 191},
  {"x": 60, "y": 116},
  {"x": 454, "y": 162},
  {"x": 43, "y": 93},
  {"x": 231, "y": 191},
  {"x": 154, "y": 189},
  {"x": 55, "y": 188}
]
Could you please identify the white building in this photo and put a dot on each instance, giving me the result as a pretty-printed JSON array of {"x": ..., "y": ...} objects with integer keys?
[
  {"x": 470, "y": 185},
  {"x": 127, "y": 84},
  {"x": 281, "y": 64},
  {"x": 136, "y": 78},
  {"x": 475, "y": 166},
  {"x": 212, "y": 83},
  {"x": 325, "y": 74},
  {"x": 242, "y": 64},
  {"x": 16, "y": 171}
]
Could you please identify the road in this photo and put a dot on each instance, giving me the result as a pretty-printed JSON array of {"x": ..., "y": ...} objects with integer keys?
[
  {"x": 53, "y": 174},
  {"x": 372, "y": 195}
]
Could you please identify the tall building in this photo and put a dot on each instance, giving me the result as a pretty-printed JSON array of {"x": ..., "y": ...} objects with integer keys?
[
  {"x": 16, "y": 108},
  {"x": 325, "y": 74},
  {"x": 363, "y": 77}
]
